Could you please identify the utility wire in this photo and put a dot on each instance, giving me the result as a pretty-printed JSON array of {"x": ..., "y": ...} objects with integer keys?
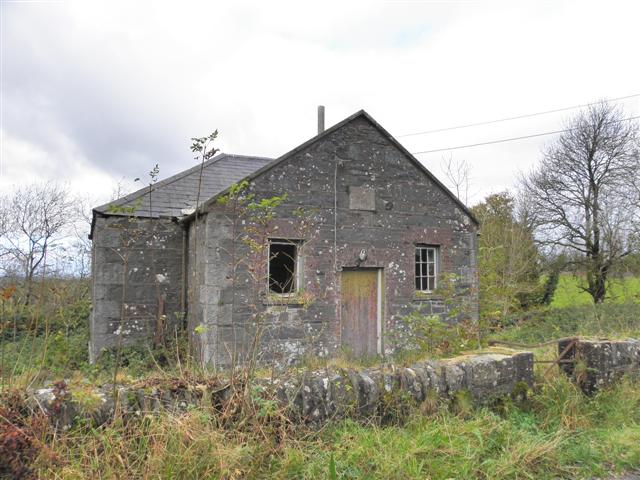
[
  {"x": 512, "y": 139},
  {"x": 488, "y": 122}
]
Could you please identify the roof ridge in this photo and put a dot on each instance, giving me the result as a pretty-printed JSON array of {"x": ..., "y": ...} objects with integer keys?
[{"x": 246, "y": 156}]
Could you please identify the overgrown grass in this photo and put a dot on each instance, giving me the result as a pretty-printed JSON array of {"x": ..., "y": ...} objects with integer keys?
[
  {"x": 609, "y": 320},
  {"x": 559, "y": 434},
  {"x": 28, "y": 363},
  {"x": 48, "y": 339}
]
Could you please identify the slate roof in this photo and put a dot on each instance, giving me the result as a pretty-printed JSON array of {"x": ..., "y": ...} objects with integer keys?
[{"x": 171, "y": 195}]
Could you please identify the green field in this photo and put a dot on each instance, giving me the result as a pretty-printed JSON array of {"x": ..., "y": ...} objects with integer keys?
[{"x": 569, "y": 294}]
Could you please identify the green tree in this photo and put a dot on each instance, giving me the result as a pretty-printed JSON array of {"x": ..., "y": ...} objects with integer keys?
[{"x": 507, "y": 257}]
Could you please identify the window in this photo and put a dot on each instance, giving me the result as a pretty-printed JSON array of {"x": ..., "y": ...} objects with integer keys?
[
  {"x": 283, "y": 259},
  {"x": 426, "y": 268}
]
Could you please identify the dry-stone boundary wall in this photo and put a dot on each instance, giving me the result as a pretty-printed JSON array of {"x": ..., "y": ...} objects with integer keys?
[{"x": 314, "y": 397}]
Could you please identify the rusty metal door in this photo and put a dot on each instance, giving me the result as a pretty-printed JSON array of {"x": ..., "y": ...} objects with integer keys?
[{"x": 361, "y": 311}]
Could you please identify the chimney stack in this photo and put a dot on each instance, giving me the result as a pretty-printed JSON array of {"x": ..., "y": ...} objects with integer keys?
[{"x": 320, "y": 119}]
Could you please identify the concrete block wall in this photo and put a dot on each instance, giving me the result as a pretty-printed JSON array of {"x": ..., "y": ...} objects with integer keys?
[{"x": 155, "y": 252}]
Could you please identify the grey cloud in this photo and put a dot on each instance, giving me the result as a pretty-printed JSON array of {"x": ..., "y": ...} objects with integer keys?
[{"x": 55, "y": 91}]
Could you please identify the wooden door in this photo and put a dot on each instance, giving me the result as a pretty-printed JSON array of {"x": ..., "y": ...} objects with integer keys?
[{"x": 361, "y": 311}]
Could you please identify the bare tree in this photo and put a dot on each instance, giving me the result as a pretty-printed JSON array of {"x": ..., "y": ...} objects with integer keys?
[
  {"x": 457, "y": 174},
  {"x": 81, "y": 228},
  {"x": 581, "y": 195},
  {"x": 36, "y": 216},
  {"x": 4, "y": 230},
  {"x": 635, "y": 196}
]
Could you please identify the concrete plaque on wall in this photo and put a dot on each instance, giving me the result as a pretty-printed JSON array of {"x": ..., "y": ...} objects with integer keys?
[{"x": 362, "y": 198}]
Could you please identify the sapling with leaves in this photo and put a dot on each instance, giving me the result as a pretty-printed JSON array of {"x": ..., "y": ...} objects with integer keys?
[
  {"x": 434, "y": 334},
  {"x": 257, "y": 230},
  {"x": 130, "y": 234},
  {"x": 252, "y": 224},
  {"x": 159, "y": 331},
  {"x": 234, "y": 204},
  {"x": 204, "y": 150}
]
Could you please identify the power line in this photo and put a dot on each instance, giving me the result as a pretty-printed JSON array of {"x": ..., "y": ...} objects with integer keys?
[
  {"x": 457, "y": 147},
  {"x": 488, "y": 122}
]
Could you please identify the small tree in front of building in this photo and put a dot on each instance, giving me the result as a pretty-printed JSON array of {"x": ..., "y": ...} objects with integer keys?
[
  {"x": 424, "y": 332},
  {"x": 252, "y": 226}
]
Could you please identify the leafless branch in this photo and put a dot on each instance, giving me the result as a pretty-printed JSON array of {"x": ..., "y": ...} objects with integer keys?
[{"x": 584, "y": 195}]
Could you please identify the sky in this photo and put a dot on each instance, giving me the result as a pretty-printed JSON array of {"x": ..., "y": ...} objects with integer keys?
[{"x": 95, "y": 93}]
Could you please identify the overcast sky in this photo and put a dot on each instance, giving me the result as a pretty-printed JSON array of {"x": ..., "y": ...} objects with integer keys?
[{"x": 94, "y": 92}]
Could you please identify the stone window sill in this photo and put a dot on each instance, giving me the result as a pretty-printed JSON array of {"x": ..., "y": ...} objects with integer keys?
[
  {"x": 289, "y": 301},
  {"x": 426, "y": 296}
]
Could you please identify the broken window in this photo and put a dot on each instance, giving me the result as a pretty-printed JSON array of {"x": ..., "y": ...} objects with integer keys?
[
  {"x": 426, "y": 268},
  {"x": 283, "y": 259}
]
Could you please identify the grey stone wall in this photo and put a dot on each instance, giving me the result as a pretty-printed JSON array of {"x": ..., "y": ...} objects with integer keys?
[
  {"x": 594, "y": 364},
  {"x": 202, "y": 293},
  {"x": 315, "y": 397},
  {"x": 318, "y": 397},
  {"x": 154, "y": 270},
  {"x": 407, "y": 208}
]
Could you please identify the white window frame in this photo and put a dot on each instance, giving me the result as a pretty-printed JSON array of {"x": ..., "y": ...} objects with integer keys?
[
  {"x": 296, "y": 265},
  {"x": 419, "y": 262}
]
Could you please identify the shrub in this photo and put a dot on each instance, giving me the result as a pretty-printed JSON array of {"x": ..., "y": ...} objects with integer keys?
[{"x": 21, "y": 435}]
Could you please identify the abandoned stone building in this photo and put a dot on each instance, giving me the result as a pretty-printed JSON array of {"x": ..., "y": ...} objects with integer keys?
[{"x": 325, "y": 249}]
